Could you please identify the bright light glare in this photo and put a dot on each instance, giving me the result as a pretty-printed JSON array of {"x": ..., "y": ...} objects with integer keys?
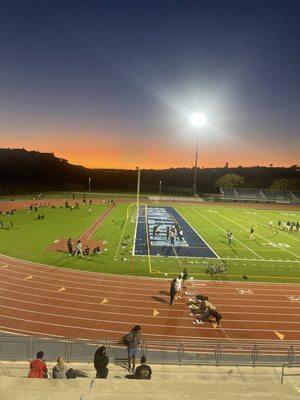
[{"x": 198, "y": 120}]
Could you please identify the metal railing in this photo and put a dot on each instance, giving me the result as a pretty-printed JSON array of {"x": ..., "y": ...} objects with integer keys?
[
  {"x": 283, "y": 374},
  {"x": 200, "y": 352}
]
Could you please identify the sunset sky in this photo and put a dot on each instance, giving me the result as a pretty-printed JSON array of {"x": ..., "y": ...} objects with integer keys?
[{"x": 109, "y": 83}]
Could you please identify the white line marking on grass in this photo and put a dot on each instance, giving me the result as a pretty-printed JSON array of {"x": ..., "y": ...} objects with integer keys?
[
  {"x": 121, "y": 238},
  {"x": 197, "y": 233},
  {"x": 262, "y": 237},
  {"x": 135, "y": 229},
  {"x": 289, "y": 235},
  {"x": 223, "y": 230}
]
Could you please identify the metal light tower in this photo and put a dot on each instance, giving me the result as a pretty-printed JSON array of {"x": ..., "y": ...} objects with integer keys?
[{"x": 198, "y": 121}]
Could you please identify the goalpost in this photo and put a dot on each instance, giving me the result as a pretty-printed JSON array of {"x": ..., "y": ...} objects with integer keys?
[{"x": 134, "y": 217}]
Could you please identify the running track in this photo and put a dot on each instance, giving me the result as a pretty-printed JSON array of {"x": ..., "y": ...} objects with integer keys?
[
  {"x": 48, "y": 301},
  {"x": 31, "y": 303}
]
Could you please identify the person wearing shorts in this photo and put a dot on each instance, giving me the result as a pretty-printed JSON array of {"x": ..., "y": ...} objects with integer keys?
[{"x": 132, "y": 340}]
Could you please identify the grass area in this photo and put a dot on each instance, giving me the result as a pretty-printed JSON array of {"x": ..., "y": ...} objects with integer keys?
[{"x": 272, "y": 256}]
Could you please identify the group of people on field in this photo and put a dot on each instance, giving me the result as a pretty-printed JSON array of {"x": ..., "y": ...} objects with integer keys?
[{"x": 84, "y": 252}]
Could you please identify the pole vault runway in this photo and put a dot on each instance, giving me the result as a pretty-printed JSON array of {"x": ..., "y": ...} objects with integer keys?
[{"x": 49, "y": 301}]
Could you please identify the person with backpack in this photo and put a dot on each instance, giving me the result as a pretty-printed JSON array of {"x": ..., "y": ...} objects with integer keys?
[
  {"x": 38, "y": 367},
  {"x": 132, "y": 341},
  {"x": 101, "y": 362}
]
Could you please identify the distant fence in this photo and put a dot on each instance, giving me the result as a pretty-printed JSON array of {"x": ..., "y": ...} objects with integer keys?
[{"x": 200, "y": 352}]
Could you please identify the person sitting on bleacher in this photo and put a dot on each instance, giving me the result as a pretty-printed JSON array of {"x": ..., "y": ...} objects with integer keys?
[
  {"x": 60, "y": 369},
  {"x": 143, "y": 371},
  {"x": 38, "y": 367}
]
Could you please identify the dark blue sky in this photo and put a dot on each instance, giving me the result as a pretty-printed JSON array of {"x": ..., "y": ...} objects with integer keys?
[{"x": 112, "y": 83}]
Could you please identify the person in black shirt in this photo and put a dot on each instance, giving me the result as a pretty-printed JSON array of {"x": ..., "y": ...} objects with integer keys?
[
  {"x": 143, "y": 371},
  {"x": 101, "y": 362},
  {"x": 70, "y": 247},
  {"x": 172, "y": 291}
]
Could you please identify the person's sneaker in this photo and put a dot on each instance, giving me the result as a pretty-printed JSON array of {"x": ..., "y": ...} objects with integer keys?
[
  {"x": 192, "y": 315},
  {"x": 191, "y": 299},
  {"x": 197, "y": 322}
]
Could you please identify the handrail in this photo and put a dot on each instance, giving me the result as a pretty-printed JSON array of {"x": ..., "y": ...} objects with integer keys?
[
  {"x": 289, "y": 366},
  {"x": 202, "y": 351}
]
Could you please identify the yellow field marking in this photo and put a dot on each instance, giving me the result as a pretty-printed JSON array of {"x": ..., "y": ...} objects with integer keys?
[
  {"x": 62, "y": 289},
  {"x": 155, "y": 312},
  {"x": 280, "y": 335},
  {"x": 28, "y": 277},
  {"x": 155, "y": 271},
  {"x": 104, "y": 301}
]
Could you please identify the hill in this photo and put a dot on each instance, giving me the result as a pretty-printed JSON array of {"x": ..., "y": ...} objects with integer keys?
[{"x": 22, "y": 170}]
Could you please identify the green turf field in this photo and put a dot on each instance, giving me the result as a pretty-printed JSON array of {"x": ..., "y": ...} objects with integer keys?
[{"x": 272, "y": 256}]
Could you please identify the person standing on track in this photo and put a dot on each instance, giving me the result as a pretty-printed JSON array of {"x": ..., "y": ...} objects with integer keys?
[
  {"x": 251, "y": 234},
  {"x": 172, "y": 292}
]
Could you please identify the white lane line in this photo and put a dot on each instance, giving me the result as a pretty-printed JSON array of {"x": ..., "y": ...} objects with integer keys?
[
  {"x": 183, "y": 311},
  {"x": 196, "y": 232},
  {"x": 21, "y": 332},
  {"x": 203, "y": 328},
  {"x": 252, "y": 251},
  {"x": 162, "y": 324},
  {"x": 101, "y": 293}
]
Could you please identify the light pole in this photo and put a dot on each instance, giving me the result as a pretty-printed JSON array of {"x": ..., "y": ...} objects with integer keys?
[
  {"x": 90, "y": 185},
  {"x": 138, "y": 188},
  {"x": 159, "y": 190},
  {"x": 198, "y": 121}
]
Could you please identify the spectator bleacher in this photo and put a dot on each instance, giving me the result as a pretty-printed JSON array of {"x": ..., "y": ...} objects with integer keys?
[{"x": 260, "y": 195}]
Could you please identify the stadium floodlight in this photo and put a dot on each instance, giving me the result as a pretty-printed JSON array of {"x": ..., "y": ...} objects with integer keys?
[{"x": 198, "y": 120}]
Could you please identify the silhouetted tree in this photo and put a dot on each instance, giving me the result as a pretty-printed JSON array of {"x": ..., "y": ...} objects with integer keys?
[
  {"x": 286, "y": 184},
  {"x": 230, "y": 181}
]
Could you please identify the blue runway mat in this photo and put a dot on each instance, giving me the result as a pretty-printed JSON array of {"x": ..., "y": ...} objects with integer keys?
[{"x": 154, "y": 225}]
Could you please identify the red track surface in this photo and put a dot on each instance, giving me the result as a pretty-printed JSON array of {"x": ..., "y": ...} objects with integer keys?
[{"x": 31, "y": 303}]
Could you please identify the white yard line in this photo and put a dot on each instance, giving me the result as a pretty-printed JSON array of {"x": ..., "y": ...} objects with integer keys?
[
  {"x": 121, "y": 238},
  {"x": 262, "y": 237},
  {"x": 223, "y": 230},
  {"x": 197, "y": 233},
  {"x": 135, "y": 229}
]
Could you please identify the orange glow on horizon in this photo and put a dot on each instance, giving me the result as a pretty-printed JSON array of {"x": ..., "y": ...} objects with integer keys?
[{"x": 157, "y": 153}]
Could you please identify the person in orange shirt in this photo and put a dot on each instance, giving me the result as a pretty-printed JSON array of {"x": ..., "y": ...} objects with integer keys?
[{"x": 38, "y": 367}]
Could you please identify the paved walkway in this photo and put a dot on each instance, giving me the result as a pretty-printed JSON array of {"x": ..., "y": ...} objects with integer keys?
[{"x": 169, "y": 383}]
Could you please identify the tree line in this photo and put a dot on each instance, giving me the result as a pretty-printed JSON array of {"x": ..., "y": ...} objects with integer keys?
[{"x": 21, "y": 169}]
